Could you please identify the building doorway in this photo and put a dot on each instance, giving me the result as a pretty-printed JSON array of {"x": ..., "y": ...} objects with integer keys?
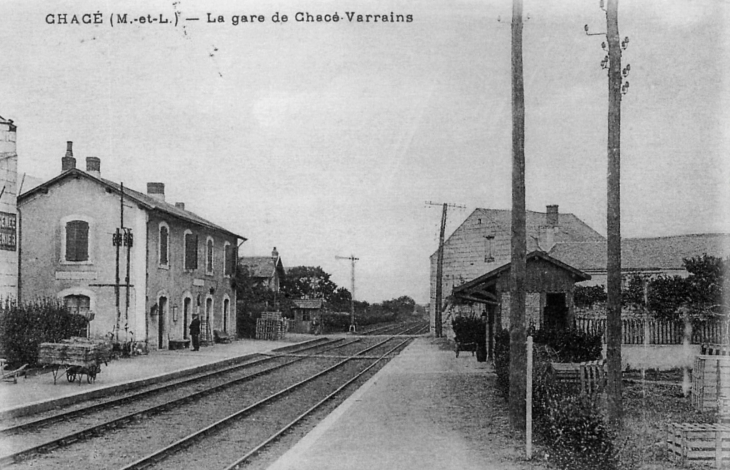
[
  {"x": 208, "y": 316},
  {"x": 555, "y": 314},
  {"x": 226, "y": 306},
  {"x": 161, "y": 322},
  {"x": 187, "y": 304}
]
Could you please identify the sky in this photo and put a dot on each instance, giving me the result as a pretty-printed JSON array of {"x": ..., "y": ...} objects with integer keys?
[{"x": 327, "y": 139}]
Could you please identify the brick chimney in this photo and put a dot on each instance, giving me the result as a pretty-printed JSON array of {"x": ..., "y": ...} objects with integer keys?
[
  {"x": 274, "y": 253},
  {"x": 68, "y": 162},
  {"x": 180, "y": 205},
  {"x": 93, "y": 166},
  {"x": 551, "y": 217},
  {"x": 156, "y": 190}
]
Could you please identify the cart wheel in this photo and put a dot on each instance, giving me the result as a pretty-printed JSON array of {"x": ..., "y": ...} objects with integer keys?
[{"x": 70, "y": 376}]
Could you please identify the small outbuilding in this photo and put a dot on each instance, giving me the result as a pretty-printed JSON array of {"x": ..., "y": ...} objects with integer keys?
[
  {"x": 305, "y": 311},
  {"x": 549, "y": 287}
]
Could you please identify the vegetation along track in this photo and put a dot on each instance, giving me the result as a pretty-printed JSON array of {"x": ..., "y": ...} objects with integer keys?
[{"x": 253, "y": 403}]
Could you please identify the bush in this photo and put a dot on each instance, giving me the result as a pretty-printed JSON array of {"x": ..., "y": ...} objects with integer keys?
[
  {"x": 23, "y": 327},
  {"x": 570, "y": 345},
  {"x": 469, "y": 330},
  {"x": 573, "y": 427}
]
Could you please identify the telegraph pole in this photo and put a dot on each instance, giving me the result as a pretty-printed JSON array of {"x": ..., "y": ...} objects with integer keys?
[
  {"x": 440, "y": 266},
  {"x": 352, "y": 293},
  {"x": 613, "y": 217},
  {"x": 518, "y": 266},
  {"x": 616, "y": 87}
]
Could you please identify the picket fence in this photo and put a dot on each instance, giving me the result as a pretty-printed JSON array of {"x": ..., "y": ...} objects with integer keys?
[{"x": 659, "y": 332}]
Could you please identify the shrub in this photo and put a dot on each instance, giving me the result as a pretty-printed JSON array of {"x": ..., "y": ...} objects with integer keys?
[
  {"x": 570, "y": 345},
  {"x": 23, "y": 327},
  {"x": 469, "y": 330},
  {"x": 586, "y": 296},
  {"x": 574, "y": 428}
]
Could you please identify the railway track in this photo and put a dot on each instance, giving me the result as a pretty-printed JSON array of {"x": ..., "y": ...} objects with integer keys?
[{"x": 299, "y": 373}]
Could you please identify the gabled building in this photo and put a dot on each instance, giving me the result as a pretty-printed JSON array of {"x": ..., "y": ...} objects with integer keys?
[
  {"x": 134, "y": 264},
  {"x": 482, "y": 243},
  {"x": 266, "y": 271}
]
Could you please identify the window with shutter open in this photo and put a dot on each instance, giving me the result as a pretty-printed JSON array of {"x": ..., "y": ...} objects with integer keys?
[
  {"x": 209, "y": 256},
  {"x": 164, "y": 254},
  {"x": 191, "y": 251},
  {"x": 77, "y": 240},
  {"x": 229, "y": 260}
]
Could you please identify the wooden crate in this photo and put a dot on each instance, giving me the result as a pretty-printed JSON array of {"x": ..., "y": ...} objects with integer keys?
[
  {"x": 697, "y": 443},
  {"x": 710, "y": 380},
  {"x": 271, "y": 330},
  {"x": 78, "y": 353}
]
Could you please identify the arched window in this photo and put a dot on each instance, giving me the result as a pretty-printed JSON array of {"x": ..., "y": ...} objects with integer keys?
[
  {"x": 209, "y": 256},
  {"x": 164, "y": 245},
  {"x": 191, "y": 251}
]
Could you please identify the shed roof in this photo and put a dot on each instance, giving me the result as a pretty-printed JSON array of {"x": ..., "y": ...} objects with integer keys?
[
  {"x": 478, "y": 287},
  {"x": 310, "y": 304}
]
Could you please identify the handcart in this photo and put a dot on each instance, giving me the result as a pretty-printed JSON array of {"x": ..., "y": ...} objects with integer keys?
[{"x": 74, "y": 358}]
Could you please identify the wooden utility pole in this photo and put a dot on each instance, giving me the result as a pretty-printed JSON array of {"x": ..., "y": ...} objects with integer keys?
[
  {"x": 613, "y": 217},
  {"x": 352, "y": 293},
  {"x": 438, "y": 330},
  {"x": 518, "y": 266}
]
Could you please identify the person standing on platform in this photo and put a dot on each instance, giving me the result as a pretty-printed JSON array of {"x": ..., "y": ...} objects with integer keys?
[{"x": 195, "y": 332}]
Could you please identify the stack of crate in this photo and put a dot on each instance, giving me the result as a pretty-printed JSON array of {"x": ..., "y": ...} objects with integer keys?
[
  {"x": 710, "y": 381},
  {"x": 271, "y": 326},
  {"x": 73, "y": 353}
]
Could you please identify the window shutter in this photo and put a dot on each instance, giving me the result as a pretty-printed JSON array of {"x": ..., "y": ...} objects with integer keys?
[
  {"x": 163, "y": 245},
  {"x": 195, "y": 253},
  {"x": 77, "y": 241},
  {"x": 191, "y": 251},
  {"x": 229, "y": 260},
  {"x": 209, "y": 257}
]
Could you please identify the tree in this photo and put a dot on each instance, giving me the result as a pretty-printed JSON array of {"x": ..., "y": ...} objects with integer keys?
[
  {"x": 308, "y": 282},
  {"x": 403, "y": 305},
  {"x": 340, "y": 300}
]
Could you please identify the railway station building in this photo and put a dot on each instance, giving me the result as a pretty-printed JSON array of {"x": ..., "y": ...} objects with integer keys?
[
  {"x": 137, "y": 266},
  {"x": 482, "y": 244}
]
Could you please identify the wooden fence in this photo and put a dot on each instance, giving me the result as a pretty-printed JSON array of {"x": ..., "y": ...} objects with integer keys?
[{"x": 633, "y": 330}]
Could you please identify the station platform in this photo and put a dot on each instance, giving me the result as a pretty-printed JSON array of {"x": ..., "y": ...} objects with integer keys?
[
  {"x": 426, "y": 409},
  {"x": 38, "y": 393}
]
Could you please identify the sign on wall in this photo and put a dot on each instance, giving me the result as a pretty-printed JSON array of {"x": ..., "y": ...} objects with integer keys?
[{"x": 8, "y": 239}]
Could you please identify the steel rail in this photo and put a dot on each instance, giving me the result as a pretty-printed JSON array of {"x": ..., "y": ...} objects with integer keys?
[
  {"x": 186, "y": 441},
  {"x": 299, "y": 418},
  {"x": 34, "y": 424},
  {"x": 92, "y": 430}
]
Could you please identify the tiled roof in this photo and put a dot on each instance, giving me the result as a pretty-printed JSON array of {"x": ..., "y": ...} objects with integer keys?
[
  {"x": 535, "y": 255},
  {"x": 307, "y": 303},
  {"x": 146, "y": 201},
  {"x": 258, "y": 266},
  {"x": 571, "y": 227},
  {"x": 665, "y": 253}
]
